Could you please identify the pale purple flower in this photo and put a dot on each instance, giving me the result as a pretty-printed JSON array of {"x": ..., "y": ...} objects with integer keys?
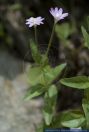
[
  {"x": 34, "y": 21},
  {"x": 58, "y": 14}
]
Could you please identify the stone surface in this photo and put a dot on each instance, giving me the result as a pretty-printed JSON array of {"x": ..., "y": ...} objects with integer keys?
[{"x": 16, "y": 115}]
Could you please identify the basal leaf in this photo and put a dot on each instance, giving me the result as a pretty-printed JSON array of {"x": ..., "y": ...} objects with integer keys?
[
  {"x": 34, "y": 92},
  {"x": 85, "y": 105},
  {"x": 79, "y": 82},
  {"x": 50, "y": 101},
  {"x": 74, "y": 123},
  {"x": 70, "y": 119}
]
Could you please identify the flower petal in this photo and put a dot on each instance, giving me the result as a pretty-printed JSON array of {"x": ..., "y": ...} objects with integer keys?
[
  {"x": 56, "y": 9},
  {"x": 34, "y": 21},
  {"x": 60, "y": 11},
  {"x": 64, "y": 15},
  {"x": 58, "y": 14}
]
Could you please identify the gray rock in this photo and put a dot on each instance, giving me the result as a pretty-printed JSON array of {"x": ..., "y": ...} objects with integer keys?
[{"x": 16, "y": 115}]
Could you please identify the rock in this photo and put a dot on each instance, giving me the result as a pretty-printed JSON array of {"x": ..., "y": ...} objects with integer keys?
[{"x": 16, "y": 115}]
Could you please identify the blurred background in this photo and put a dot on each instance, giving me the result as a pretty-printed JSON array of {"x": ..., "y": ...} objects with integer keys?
[{"x": 17, "y": 115}]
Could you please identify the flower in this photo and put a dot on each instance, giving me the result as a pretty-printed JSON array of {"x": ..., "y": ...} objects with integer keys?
[
  {"x": 58, "y": 14},
  {"x": 34, "y": 21}
]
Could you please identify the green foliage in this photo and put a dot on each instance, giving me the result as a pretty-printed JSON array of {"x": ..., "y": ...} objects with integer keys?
[
  {"x": 52, "y": 73},
  {"x": 85, "y": 106},
  {"x": 35, "y": 76},
  {"x": 44, "y": 75},
  {"x": 64, "y": 30},
  {"x": 86, "y": 36},
  {"x": 34, "y": 92},
  {"x": 41, "y": 77},
  {"x": 79, "y": 82},
  {"x": 35, "y": 52},
  {"x": 50, "y": 101},
  {"x": 70, "y": 119}
]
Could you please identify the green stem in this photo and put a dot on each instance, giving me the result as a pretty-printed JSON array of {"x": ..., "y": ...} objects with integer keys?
[
  {"x": 36, "y": 41},
  {"x": 51, "y": 38}
]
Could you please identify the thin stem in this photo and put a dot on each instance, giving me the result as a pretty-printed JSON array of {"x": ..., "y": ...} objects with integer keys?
[
  {"x": 35, "y": 35},
  {"x": 51, "y": 38}
]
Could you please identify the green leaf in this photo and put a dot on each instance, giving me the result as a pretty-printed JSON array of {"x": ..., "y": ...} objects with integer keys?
[
  {"x": 70, "y": 119},
  {"x": 58, "y": 69},
  {"x": 35, "y": 52},
  {"x": 86, "y": 36},
  {"x": 63, "y": 30},
  {"x": 36, "y": 76},
  {"x": 34, "y": 92},
  {"x": 44, "y": 61},
  {"x": 50, "y": 101},
  {"x": 52, "y": 73},
  {"x": 85, "y": 106},
  {"x": 44, "y": 75},
  {"x": 79, "y": 82}
]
